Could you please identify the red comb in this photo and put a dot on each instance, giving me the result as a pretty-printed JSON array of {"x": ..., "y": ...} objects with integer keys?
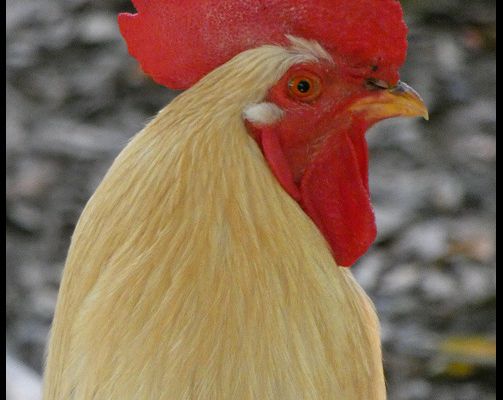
[{"x": 178, "y": 42}]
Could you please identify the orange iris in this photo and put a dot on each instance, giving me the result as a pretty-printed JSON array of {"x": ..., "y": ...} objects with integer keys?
[{"x": 305, "y": 87}]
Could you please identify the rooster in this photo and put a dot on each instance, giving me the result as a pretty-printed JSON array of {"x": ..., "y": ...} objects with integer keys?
[{"x": 211, "y": 261}]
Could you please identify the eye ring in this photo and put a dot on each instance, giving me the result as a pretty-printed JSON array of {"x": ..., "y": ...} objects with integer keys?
[{"x": 304, "y": 87}]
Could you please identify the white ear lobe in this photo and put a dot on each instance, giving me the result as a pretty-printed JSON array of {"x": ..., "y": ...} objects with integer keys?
[{"x": 263, "y": 113}]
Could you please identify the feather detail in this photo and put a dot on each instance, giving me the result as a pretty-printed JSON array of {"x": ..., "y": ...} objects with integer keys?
[{"x": 263, "y": 113}]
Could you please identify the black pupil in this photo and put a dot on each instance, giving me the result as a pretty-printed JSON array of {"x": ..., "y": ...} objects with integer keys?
[{"x": 303, "y": 86}]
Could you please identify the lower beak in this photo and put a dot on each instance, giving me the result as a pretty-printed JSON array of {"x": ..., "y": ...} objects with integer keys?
[{"x": 398, "y": 101}]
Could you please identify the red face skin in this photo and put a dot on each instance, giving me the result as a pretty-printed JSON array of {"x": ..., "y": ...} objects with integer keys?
[{"x": 319, "y": 155}]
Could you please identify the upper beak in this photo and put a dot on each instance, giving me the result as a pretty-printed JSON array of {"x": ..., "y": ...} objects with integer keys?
[{"x": 397, "y": 101}]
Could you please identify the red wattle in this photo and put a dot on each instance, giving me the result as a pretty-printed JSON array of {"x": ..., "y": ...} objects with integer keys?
[{"x": 334, "y": 191}]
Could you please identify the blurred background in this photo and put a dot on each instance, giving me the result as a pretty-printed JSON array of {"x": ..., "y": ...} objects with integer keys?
[{"x": 74, "y": 98}]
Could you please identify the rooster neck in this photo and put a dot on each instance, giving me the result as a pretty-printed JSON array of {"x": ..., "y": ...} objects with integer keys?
[{"x": 192, "y": 274}]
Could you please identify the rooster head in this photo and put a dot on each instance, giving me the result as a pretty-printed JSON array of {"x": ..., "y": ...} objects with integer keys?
[{"x": 311, "y": 125}]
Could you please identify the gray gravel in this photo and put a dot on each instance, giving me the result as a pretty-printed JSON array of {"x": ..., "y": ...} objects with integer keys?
[{"x": 74, "y": 98}]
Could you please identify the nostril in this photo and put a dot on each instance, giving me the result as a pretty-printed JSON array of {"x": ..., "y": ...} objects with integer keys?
[{"x": 376, "y": 84}]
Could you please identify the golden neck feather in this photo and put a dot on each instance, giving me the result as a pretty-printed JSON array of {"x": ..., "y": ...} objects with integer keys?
[{"x": 193, "y": 275}]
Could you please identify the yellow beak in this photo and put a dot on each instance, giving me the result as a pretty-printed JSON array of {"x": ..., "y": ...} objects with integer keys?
[{"x": 398, "y": 101}]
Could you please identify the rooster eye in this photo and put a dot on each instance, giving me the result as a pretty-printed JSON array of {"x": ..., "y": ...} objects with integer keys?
[{"x": 304, "y": 87}]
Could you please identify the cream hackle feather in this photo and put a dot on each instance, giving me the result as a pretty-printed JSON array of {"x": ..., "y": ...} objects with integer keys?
[{"x": 192, "y": 274}]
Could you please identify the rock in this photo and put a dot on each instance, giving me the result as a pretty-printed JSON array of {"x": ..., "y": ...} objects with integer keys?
[
  {"x": 459, "y": 391},
  {"x": 426, "y": 241},
  {"x": 98, "y": 28},
  {"x": 449, "y": 54},
  {"x": 43, "y": 302},
  {"x": 30, "y": 339},
  {"x": 447, "y": 193},
  {"x": 478, "y": 283},
  {"x": 48, "y": 85},
  {"x": 416, "y": 389},
  {"x": 474, "y": 238},
  {"x": 390, "y": 218},
  {"x": 369, "y": 270},
  {"x": 24, "y": 216},
  {"x": 413, "y": 339},
  {"x": 14, "y": 125},
  {"x": 32, "y": 180},
  {"x": 439, "y": 285},
  {"x": 58, "y": 36},
  {"x": 479, "y": 147},
  {"x": 32, "y": 276},
  {"x": 71, "y": 139},
  {"x": 395, "y": 307},
  {"x": 402, "y": 279},
  {"x": 21, "y": 382}
]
